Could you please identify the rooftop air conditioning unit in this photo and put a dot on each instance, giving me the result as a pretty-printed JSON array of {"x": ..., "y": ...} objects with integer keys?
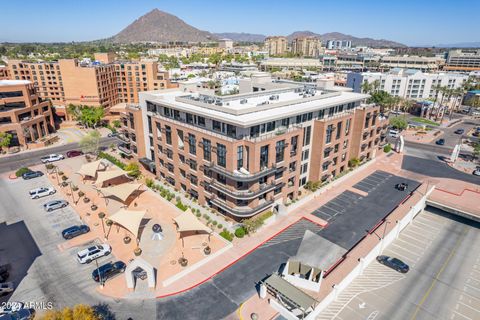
[{"x": 243, "y": 101}]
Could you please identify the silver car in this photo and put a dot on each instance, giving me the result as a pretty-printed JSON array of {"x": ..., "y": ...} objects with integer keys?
[{"x": 54, "y": 205}]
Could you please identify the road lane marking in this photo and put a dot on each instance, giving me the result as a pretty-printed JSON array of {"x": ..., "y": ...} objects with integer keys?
[
  {"x": 424, "y": 298},
  {"x": 468, "y": 306}
]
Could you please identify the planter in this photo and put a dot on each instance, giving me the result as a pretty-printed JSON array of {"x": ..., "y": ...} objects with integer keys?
[
  {"x": 207, "y": 250},
  {"x": 137, "y": 251},
  {"x": 75, "y": 188},
  {"x": 101, "y": 215},
  {"x": 64, "y": 184},
  {"x": 127, "y": 240},
  {"x": 183, "y": 262},
  {"x": 93, "y": 207},
  {"x": 60, "y": 173},
  {"x": 86, "y": 200},
  {"x": 64, "y": 178},
  {"x": 81, "y": 194},
  {"x": 109, "y": 222}
]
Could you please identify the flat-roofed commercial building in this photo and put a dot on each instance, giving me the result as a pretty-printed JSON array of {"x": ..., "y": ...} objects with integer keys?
[
  {"x": 458, "y": 60},
  {"x": 307, "y": 46},
  {"x": 424, "y": 64},
  {"x": 250, "y": 152},
  {"x": 410, "y": 84},
  {"x": 276, "y": 45},
  {"x": 23, "y": 113}
]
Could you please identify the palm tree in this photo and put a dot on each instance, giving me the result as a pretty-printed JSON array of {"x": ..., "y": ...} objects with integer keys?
[
  {"x": 376, "y": 85},
  {"x": 407, "y": 105},
  {"x": 367, "y": 87}
]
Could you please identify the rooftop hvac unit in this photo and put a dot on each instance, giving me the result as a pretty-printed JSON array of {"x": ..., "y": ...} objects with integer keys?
[{"x": 243, "y": 101}]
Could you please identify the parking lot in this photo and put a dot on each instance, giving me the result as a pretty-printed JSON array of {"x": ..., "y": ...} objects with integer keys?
[
  {"x": 443, "y": 253},
  {"x": 41, "y": 270},
  {"x": 350, "y": 215}
]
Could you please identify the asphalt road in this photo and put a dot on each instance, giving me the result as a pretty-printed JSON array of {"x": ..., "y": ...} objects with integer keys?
[
  {"x": 443, "y": 282},
  {"x": 23, "y": 159}
]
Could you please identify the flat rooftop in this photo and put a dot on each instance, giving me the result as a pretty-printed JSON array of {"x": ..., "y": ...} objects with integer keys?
[
  {"x": 254, "y": 107},
  {"x": 13, "y": 82}
]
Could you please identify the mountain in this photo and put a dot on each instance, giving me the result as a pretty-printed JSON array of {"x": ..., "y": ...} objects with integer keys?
[
  {"x": 159, "y": 26},
  {"x": 241, "y": 36},
  {"x": 459, "y": 45},
  {"x": 341, "y": 36}
]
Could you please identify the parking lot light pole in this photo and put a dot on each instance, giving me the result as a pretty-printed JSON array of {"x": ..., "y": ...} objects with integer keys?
[
  {"x": 383, "y": 236},
  {"x": 71, "y": 190}
]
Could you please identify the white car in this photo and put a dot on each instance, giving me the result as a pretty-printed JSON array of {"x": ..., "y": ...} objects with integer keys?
[
  {"x": 6, "y": 287},
  {"x": 52, "y": 158},
  {"x": 94, "y": 252},
  {"x": 41, "y": 192}
]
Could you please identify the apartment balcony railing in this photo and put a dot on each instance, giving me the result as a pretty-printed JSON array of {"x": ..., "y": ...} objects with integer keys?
[
  {"x": 124, "y": 149},
  {"x": 243, "y": 194},
  {"x": 238, "y": 176},
  {"x": 242, "y": 212}
]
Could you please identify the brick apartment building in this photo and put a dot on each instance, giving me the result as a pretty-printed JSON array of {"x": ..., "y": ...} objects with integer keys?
[
  {"x": 23, "y": 113},
  {"x": 246, "y": 153},
  {"x": 4, "y": 74},
  {"x": 103, "y": 82}
]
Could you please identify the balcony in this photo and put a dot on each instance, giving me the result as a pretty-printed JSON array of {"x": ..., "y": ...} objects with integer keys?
[
  {"x": 242, "y": 212},
  {"x": 238, "y": 176},
  {"x": 122, "y": 147},
  {"x": 243, "y": 194}
]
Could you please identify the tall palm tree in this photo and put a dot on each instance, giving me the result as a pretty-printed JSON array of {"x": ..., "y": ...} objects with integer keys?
[
  {"x": 376, "y": 85},
  {"x": 367, "y": 87},
  {"x": 407, "y": 105},
  {"x": 437, "y": 89}
]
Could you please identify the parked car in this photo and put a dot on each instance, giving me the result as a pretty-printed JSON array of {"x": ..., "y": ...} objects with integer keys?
[
  {"x": 112, "y": 134},
  {"x": 74, "y": 153},
  {"x": 12, "y": 306},
  {"x": 41, "y": 192},
  {"x": 6, "y": 287},
  {"x": 476, "y": 172},
  {"x": 22, "y": 314},
  {"x": 459, "y": 131},
  {"x": 52, "y": 158},
  {"x": 92, "y": 253},
  {"x": 393, "y": 133},
  {"x": 54, "y": 205},
  {"x": 401, "y": 186},
  {"x": 31, "y": 174},
  {"x": 440, "y": 142},
  {"x": 393, "y": 263},
  {"x": 108, "y": 270},
  {"x": 74, "y": 231}
]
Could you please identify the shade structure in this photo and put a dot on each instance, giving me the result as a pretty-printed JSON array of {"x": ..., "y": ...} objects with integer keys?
[
  {"x": 121, "y": 191},
  {"x": 108, "y": 175},
  {"x": 188, "y": 222},
  {"x": 129, "y": 219},
  {"x": 90, "y": 169}
]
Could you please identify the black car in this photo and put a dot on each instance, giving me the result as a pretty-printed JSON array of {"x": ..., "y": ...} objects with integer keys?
[
  {"x": 108, "y": 270},
  {"x": 459, "y": 131},
  {"x": 393, "y": 263},
  {"x": 401, "y": 186},
  {"x": 440, "y": 142},
  {"x": 31, "y": 174},
  {"x": 74, "y": 231}
]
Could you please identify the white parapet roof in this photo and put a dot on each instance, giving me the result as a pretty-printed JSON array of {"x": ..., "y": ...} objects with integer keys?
[
  {"x": 253, "y": 108},
  {"x": 13, "y": 82}
]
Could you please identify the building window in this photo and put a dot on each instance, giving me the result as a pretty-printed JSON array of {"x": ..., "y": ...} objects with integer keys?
[
  {"x": 329, "y": 133},
  {"x": 278, "y": 175},
  {"x": 193, "y": 180},
  {"x": 201, "y": 121},
  {"x": 264, "y": 156},
  {"x": 305, "y": 155},
  {"x": 239, "y": 157},
  {"x": 292, "y": 166},
  {"x": 321, "y": 114},
  {"x": 347, "y": 127},
  {"x": 367, "y": 120},
  {"x": 168, "y": 135},
  {"x": 325, "y": 166},
  {"x": 189, "y": 118},
  {"x": 279, "y": 151},
  {"x": 207, "y": 150},
  {"x": 307, "y": 133},
  {"x": 293, "y": 145},
  {"x": 193, "y": 164},
  {"x": 217, "y": 125},
  {"x": 304, "y": 168},
  {"x": 339, "y": 130},
  {"x": 192, "y": 144},
  {"x": 221, "y": 155}
]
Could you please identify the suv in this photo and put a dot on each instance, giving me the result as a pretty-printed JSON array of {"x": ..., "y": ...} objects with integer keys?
[
  {"x": 41, "y": 192},
  {"x": 92, "y": 253},
  {"x": 31, "y": 174},
  {"x": 393, "y": 263},
  {"x": 103, "y": 273},
  {"x": 459, "y": 131},
  {"x": 54, "y": 205},
  {"x": 52, "y": 158},
  {"x": 74, "y": 231}
]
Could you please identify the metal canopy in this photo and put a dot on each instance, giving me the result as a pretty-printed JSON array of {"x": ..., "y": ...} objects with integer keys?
[{"x": 290, "y": 293}]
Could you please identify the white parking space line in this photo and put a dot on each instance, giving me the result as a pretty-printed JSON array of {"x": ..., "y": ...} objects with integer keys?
[
  {"x": 426, "y": 225},
  {"x": 416, "y": 255},
  {"x": 420, "y": 235},
  {"x": 421, "y": 229},
  {"x": 411, "y": 244},
  {"x": 470, "y": 307},
  {"x": 472, "y": 287},
  {"x": 416, "y": 239},
  {"x": 460, "y": 314},
  {"x": 408, "y": 259}
]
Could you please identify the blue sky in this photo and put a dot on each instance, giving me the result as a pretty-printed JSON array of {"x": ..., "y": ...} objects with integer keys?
[{"x": 419, "y": 22}]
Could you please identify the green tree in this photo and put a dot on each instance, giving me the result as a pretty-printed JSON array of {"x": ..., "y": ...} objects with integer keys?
[
  {"x": 476, "y": 150},
  {"x": 382, "y": 98},
  {"x": 116, "y": 123},
  {"x": 90, "y": 143},
  {"x": 78, "y": 312},
  {"x": 91, "y": 116},
  {"x": 5, "y": 140},
  {"x": 399, "y": 123},
  {"x": 133, "y": 170}
]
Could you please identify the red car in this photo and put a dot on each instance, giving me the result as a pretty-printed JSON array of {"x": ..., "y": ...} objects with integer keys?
[{"x": 74, "y": 153}]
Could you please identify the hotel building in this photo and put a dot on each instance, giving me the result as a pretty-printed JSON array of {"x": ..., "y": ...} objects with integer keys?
[
  {"x": 23, "y": 113},
  {"x": 458, "y": 60},
  {"x": 250, "y": 152},
  {"x": 276, "y": 45},
  {"x": 307, "y": 46}
]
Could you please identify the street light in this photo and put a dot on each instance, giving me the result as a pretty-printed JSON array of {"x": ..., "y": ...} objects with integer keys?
[
  {"x": 101, "y": 215},
  {"x": 71, "y": 190}
]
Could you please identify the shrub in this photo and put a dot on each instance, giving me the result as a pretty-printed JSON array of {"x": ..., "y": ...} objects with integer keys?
[
  {"x": 177, "y": 198},
  {"x": 112, "y": 159},
  {"x": 149, "y": 182},
  {"x": 49, "y": 166},
  {"x": 354, "y": 162},
  {"x": 220, "y": 226},
  {"x": 21, "y": 171},
  {"x": 387, "y": 148},
  {"x": 240, "y": 232},
  {"x": 312, "y": 185},
  {"x": 181, "y": 206},
  {"x": 227, "y": 235},
  {"x": 214, "y": 222},
  {"x": 133, "y": 170},
  {"x": 198, "y": 215}
]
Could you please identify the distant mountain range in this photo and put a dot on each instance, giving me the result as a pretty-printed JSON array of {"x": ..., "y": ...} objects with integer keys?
[
  {"x": 459, "y": 45},
  {"x": 159, "y": 26}
]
